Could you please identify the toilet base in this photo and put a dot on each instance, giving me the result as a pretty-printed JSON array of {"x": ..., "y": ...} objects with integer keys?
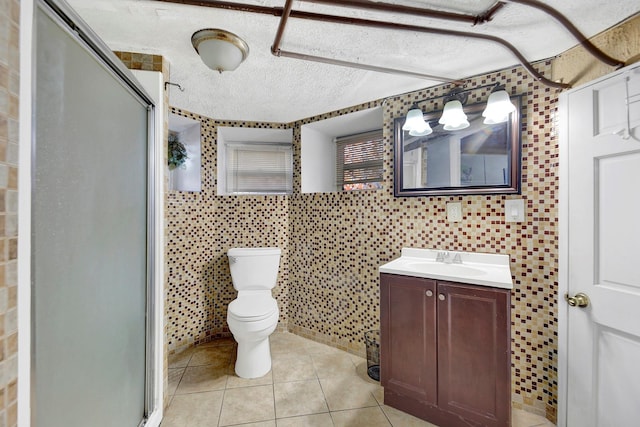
[{"x": 254, "y": 358}]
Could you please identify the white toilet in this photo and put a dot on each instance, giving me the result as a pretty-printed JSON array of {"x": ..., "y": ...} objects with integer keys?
[{"x": 253, "y": 315}]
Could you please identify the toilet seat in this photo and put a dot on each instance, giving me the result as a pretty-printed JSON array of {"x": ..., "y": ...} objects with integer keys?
[{"x": 252, "y": 308}]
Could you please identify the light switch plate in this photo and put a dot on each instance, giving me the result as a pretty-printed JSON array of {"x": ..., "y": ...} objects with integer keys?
[
  {"x": 454, "y": 211},
  {"x": 514, "y": 210}
]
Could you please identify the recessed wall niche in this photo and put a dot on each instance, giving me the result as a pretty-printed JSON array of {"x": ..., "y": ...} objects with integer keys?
[
  {"x": 318, "y": 147},
  {"x": 230, "y": 136},
  {"x": 186, "y": 177}
]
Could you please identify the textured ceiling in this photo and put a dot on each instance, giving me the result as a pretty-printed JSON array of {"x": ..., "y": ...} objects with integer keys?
[{"x": 267, "y": 88}]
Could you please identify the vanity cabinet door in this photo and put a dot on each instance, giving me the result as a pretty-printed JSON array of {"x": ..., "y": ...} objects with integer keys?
[
  {"x": 474, "y": 353},
  {"x": 408, "y": 337}
]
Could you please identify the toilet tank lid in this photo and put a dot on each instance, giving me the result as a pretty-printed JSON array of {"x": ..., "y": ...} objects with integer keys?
[{"x": 254, "y": 252}]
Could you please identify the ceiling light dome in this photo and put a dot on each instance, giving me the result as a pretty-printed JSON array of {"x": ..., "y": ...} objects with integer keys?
[{"x": 220, "y": 50}]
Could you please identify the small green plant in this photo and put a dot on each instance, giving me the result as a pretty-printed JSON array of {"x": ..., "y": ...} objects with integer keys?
[{"x": 177, "y": 152}]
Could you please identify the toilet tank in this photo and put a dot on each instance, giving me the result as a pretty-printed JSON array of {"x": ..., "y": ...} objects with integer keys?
[{"x": 254, "y": 268}]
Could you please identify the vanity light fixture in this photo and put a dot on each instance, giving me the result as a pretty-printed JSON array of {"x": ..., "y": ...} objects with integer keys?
[
  {"x": 415, "y": 123},
  {"x": 220, "y": 50},
  {"x": 453, "y": 117},
  {"x": 498, "y": 108}
]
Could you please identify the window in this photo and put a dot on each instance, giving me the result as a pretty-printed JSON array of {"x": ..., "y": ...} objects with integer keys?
[
  {"x": 259, "y": 168},
  {"x": 359, "y": 161}
]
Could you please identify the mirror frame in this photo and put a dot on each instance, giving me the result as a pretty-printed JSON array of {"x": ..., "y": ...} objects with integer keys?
[{"x": 514, "y": 143}]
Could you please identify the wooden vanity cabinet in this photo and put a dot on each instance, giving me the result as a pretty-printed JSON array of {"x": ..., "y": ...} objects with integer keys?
[{"x": 445, "y": 351}]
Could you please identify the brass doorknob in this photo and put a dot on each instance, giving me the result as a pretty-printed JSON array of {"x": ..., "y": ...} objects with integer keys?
[{"x": 579, "y": 300}]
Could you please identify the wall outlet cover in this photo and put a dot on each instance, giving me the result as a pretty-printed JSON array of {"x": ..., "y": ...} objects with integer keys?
[
  {"x": 454, "y": 211},
  {"x": 514, "y": 210}
]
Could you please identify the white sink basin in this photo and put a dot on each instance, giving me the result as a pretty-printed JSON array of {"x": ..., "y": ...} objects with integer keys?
[
  {"x": 476, "y": 268},
  {"x": 445, "y": 269}
]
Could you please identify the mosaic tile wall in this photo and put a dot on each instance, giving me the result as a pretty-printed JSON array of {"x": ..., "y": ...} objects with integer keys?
[
  {"x": 9, "y": 105},
  {"x": 334, "y": 242},
  {"x": 143, "y": 61},
  {"x": 202, "y": 227},
  {"x": 338, "y": 240}
]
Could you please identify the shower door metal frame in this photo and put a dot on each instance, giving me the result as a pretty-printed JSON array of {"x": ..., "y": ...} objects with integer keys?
[{"x": 69, "y": 21}]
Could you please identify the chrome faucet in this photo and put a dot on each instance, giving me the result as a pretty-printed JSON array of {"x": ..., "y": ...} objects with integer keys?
[
  {"x": 443, "y": 257},
  {"x": 446, "y": 258}
]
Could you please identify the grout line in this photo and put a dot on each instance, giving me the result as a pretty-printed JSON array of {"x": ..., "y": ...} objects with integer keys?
[
  {"x": 249, "y": 423},
  {"x": 384, "y": 413},
  {"x": 191, "y": 393},
  {"x": 302, "y": 415},
  {"x": 179, "y": 381},
  {"x": 332, "y": 421},
  {"x": 273, "y": 391},
  {"x": 324, "y": 395},
  {"x": 177, "y": 386},
  {"x": 164, "y": 414},
  {"x": 224, "y": 393},
  {"x": 254, "y": 385}
]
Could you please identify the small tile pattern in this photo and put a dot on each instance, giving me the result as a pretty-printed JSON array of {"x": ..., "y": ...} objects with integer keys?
[
  {"x": 534, "y": 313},
  {"x": 202, "y": 227},
  {"x": 9, "y": 106},
  {"x": 141, "y": 61},
  {"x": 285, "y": 397},
  {"x": 333, "y": 243},
  {"x": 338, "y": 240}
]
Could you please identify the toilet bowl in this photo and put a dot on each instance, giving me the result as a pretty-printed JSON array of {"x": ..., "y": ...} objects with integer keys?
[
  {"x": 252, "y": 318},
  {"x": 253, "y": 315}
]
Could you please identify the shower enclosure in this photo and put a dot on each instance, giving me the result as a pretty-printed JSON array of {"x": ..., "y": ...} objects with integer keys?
[{"x": 93, "y": 342}]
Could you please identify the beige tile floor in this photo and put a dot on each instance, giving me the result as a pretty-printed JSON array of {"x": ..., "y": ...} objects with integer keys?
[{"x": 310, "y": 384}]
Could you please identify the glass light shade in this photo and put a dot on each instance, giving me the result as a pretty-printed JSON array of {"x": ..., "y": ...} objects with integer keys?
[
  {"x": 453, "y": 118},
  {"x": 495, "y": 120},
  {"x": 423, "y": 131},
  {"x": 220, "y": 50},
  {"x": 498, "y": 108},
  {"x": 415, "y": 124}
]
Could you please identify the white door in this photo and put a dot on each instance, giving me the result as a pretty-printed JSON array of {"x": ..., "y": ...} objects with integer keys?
[{"x": 602, "y": 155}]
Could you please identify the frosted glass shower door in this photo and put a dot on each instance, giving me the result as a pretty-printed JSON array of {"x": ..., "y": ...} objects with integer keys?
[{"x": 89, "y": 238}]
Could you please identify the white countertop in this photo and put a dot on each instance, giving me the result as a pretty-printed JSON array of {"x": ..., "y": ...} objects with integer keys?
[{"x": 476, "y": 268}]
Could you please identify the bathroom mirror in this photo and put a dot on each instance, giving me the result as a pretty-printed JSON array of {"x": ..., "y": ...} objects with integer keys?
[{"x": 481, "y": 159}]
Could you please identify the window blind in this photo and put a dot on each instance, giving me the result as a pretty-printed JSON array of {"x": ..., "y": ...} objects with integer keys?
[
  {"x": 259, "y": 167},
  {"x": 359, "y": 161}
]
